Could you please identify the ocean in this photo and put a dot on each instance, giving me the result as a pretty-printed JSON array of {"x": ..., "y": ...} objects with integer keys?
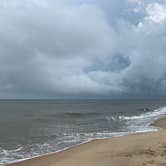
[{"x": 30, "y": 128}]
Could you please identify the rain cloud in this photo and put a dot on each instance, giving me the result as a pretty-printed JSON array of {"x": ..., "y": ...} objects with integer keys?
[{"x": 82, "y": 49}]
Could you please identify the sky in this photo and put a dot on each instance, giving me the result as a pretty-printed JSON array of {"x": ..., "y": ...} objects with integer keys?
[{"x": 82, "y": 49}]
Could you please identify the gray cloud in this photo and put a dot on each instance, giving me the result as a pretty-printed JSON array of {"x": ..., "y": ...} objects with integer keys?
[{"x": 82, "y": 48}]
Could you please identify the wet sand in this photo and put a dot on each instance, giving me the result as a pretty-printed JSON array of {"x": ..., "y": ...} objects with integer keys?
[
  {"x": 160, "y": 123},
  {"x": 147, "y": 149}
]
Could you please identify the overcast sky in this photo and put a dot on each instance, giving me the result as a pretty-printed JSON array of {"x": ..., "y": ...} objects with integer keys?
[{"x": 82, "y": 48}]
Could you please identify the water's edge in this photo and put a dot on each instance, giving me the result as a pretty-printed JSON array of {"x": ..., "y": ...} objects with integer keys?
[
  {"x": 35, "y": 129},
  {"x": 120, "y": 134}
]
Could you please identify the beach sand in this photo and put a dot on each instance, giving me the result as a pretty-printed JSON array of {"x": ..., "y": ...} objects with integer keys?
[
  {"x": 147, "y": 149},
  {"x": 160, "y": 123}
]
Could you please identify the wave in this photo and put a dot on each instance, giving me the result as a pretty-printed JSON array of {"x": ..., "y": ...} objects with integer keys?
[
  {"x": 152, "y": 114},
  {"x": 8, "y": 156},
  {"x": 76, "y": 114}
]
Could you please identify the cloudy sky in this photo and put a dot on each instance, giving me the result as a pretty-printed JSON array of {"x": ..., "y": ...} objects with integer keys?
[{"x": 82, "y": 48}]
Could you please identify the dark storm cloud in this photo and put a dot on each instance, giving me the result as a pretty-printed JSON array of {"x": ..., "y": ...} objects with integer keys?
[{"x": 81, "y": 48}]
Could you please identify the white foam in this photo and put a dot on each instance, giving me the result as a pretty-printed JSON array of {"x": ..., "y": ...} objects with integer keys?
[{"x": 156, "y": 113}]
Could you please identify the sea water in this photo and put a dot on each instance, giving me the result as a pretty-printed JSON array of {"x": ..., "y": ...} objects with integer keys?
[{"x": 30, "y": 128}]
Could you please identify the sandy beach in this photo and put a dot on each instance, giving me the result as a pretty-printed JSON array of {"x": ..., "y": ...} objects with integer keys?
[{"x": 147, "y": 149}]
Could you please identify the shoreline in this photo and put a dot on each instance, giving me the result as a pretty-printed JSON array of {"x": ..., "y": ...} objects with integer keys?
[
  {"x": 60, "y": 156},
  {"x": 160, "y": 123}
]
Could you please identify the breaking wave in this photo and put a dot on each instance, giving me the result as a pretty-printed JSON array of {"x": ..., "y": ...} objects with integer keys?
[{"x": 151, "y": 114}]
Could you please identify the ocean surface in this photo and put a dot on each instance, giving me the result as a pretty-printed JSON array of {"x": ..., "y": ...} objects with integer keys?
[{"x": 30, "y": 128}]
